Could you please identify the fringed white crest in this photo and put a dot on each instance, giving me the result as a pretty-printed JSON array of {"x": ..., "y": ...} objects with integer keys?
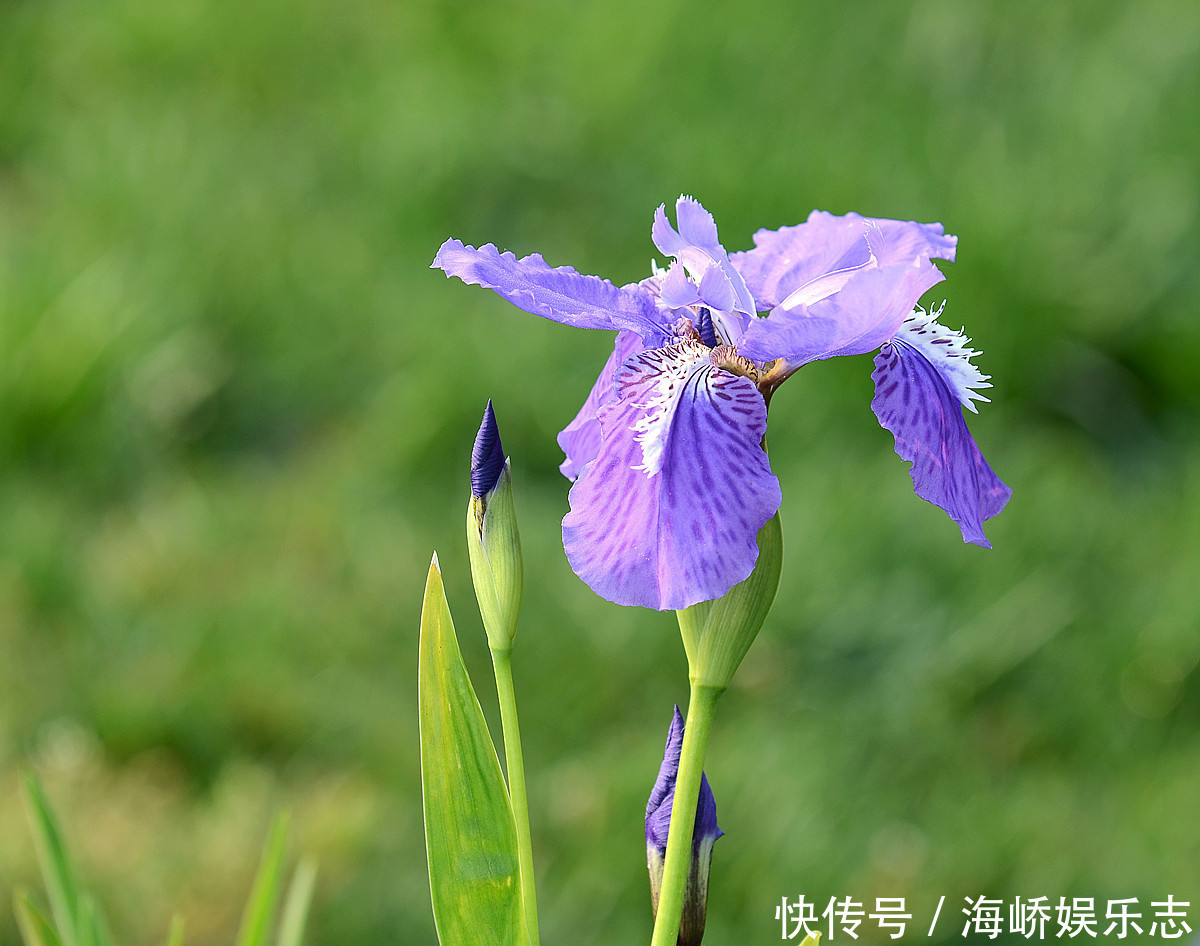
[{"x": 947, "y": 351}]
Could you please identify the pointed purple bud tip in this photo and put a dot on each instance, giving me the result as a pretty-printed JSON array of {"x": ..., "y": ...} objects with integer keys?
[
  {"x": 662, "y": 797},
  {"x": 487, "y": 456},
  {"x": 708, "y": 334}
]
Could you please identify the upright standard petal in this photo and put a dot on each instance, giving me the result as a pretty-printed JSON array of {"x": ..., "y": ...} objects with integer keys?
[
  {"x": 922, "y": 381},
  {"x": 580, "y": 439},
  {"x": 667, "y": 514},
  {"x": 861, "y": 317},
  {"x": 557, "y": 293},
  {"x": 696, "y": 246},
  {"x": 785, "y": 261}
]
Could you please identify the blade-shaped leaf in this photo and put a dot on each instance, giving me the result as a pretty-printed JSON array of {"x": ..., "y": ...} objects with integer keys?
[
  {"x": 295, "y": 908},
  {"x": 260, "y": 909},
  {"x": 92, "y": 926},
  {"x": 88, "y": 932},
  {"x": 175, "y": 937},
  {"x": 62, "y": 887},
  {"x": 469, "y": 830},
  {"x": 35, "y": 928}
]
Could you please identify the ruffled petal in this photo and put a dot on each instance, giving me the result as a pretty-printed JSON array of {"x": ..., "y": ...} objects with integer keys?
[
  {"x": 696, "y": 246},
  {"x": 668, "y": 512},
  {"x": 676, "y": 291},
  {"x": 920, "y": 405},
  {"x": 560, "y": 293},
  {"x": 861, "y": 317},
  {"x": 785, "y": 262},
  {"x": 580, "y": 439},
  {"x": 947, "y": 351}
]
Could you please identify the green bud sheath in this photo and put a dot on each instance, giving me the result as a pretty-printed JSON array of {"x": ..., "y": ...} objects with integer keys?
[
  {"x": 494, "y": 545},
  {"x": 717, "y": 634}
]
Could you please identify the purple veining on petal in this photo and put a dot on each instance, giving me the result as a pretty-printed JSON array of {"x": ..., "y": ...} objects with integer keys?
[
  {"x": 785, "y": 260},
  {"x": 860, "y": 318},
  {"x": 946, "y": 350},
  {"x": 560, "y": 294},
  {"x": 914, "y": 402},
  {"x": 668, "y": 513},
  {"x": 662, "y": 797},
  {"x": 487, "y": 456},
  {"x": 580, "y": 439}
]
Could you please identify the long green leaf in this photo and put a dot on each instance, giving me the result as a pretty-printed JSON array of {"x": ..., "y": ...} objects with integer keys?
[
  {"x": 35, "y": 928},
  {"x": 62, "y": 887},
  {"x": 86, "y": 930},
  {"x": 469, "y": 830},
  {"x": 175, "y": 936},
  {"x": 260, "y": 909},
  {"x": 92, "y": 928},
  {"x": 295, "y": 907}
]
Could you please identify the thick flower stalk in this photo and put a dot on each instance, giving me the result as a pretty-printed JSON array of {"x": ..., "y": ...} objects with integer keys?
[{"x": 672, "y": 481}]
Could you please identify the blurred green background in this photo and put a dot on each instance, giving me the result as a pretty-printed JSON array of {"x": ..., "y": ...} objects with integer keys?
[{"x": 236, "y": 410}]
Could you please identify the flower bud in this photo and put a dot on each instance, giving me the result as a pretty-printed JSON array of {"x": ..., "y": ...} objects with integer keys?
[
  {"x": 704, "y": 836},
  {"x": 492, "y": 538},
  {"x": 717, "y": 634}
]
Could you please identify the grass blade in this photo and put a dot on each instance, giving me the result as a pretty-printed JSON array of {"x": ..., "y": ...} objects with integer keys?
[
  {"x": 35, "y": 928},
  {"x": 295, "y": 907},
  {"x": 175, "y": 937},
  {"x": 92, "y": 928},
  {"x": 62, "y": 887},
  {"x": 260, "y": 909},
  {"x": 469, "y": 831},
  {"x": 86, "y": 920}
]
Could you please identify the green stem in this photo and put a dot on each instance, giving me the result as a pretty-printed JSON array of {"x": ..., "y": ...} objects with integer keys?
[
  {"x": 502, "y": 664},
  {"x": 702, "y": 705}
]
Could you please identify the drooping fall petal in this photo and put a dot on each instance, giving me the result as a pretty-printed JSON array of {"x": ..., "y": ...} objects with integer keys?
[
  {"x": 580, "y": 439},
  {"x": 668, "y": 512},
  {"x": 918, "y": 402}
]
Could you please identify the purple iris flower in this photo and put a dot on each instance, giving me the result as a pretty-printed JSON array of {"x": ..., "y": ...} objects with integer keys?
[{"x": 672, "y": 481}]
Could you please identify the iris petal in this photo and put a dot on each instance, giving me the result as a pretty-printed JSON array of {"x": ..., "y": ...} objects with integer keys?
[
  {"x": 668, "y": 512},
  {"x": 697, "y": 247},
  {"x": 557, "y": 293},
  {"x": 676, "y": 291},
  {"x": 917, "y": 404},
  {"x": 785, "y": 260},
  {"x": 860, "y": 318},
  {"x": 580, "y": 439}
]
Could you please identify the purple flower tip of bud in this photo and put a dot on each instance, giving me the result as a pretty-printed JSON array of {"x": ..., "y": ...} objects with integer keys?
[
  {"x": 487, "y": 457},
  {"x": 662, "y": 797}
]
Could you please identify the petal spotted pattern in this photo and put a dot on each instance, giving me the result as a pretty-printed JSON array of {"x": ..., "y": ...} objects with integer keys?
[
  {"x": 668, "y": 513},
  {"x": 580, "y": 439},
  {"x": 915, "y": 403}
]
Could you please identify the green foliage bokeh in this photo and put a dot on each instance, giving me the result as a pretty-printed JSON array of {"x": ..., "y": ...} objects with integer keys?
[{"x": 236, "y": 410}]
